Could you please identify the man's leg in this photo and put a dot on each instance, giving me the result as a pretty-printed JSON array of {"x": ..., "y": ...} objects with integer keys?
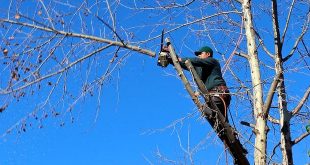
[{"x": 221, "y": 106}]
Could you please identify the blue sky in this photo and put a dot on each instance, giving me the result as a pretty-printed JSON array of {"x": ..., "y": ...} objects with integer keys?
[
  {"x": 123, "y": 133},
  {"x": 140, "y": 102}
]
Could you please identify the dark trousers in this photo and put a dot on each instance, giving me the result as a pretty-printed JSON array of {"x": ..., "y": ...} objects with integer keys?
[
  {"x": 221, "y": 97},
  {"x": 218, "y": 100}
]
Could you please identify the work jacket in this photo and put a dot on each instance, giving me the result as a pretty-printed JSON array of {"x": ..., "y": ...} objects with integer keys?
[{"x": 208, "y": 69}]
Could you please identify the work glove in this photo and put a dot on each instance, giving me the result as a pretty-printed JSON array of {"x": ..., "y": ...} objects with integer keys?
[{"x": 165, "y": 49}]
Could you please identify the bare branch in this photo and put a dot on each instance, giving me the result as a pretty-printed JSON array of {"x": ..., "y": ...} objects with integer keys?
[
  {"x": 276, "y": 29},
  {"x": 242, "y": 54},
  {"x": 300, "y": 138},
  {"x": 304, "y": 30},
  {"x": 241, "y": 83},
  {"x": 270, "y": 94},
  {"x": 302, "y": 102},
  {"x": 248, "y": 124},
  {"x": 112, "y": 15},
  {"x": 261, "y": 42},
  {"x": 190, "y": 23},
  {"x": 287, "y": 21},
  {"x": 274, "y": 151},
  {"x": 303, "y": 43},
  {"x": 181, "y": 74},
  {"x": 171, "y": 6},
  {"x": 111, "y": 28},
  {"x": 233, "y": 53},
  {"x": 48, "y": 15},
  {"x": 273, "y": 120},
  {"x": 56, "y": 72},
  {"x": 115, "y": 43}
]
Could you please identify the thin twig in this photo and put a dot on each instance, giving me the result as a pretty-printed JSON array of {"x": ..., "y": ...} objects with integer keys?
[
  {"x": 287, "y": 21},
  {"x": 300, "y": 138},
  {"x": 113, "y": 30},
  {"x": 190, "y": 23},
  {"x": 304, "y": 30},
  {"x": 274, "y": 151},
  {"x": 56, "y": 72},
  {"x": 261, "y": 42},
  {"x": 171, "y": 6},
  {"x": 48, "y": 16}
]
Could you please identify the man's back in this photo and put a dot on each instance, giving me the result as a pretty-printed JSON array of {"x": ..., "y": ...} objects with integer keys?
[{"x": 208, "y": 69}]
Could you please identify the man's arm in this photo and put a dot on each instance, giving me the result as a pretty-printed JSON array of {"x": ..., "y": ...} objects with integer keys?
[
  {"x": 197, "y": 62},
  {"x": 182, "y": 62}
]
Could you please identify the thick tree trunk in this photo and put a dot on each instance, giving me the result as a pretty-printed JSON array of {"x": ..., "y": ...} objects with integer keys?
[
  {"x": 285, "y": 116},
  {"x": 261, "y": 131}
]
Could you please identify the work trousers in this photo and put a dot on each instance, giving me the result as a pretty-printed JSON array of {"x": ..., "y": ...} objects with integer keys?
[{"x": 221, "y": 97}]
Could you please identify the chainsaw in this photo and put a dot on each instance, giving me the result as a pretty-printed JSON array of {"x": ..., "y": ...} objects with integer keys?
[{"x": 163, "y": 58}]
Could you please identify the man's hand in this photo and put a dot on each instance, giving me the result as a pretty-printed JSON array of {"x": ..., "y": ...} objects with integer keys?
[
  {"x": 197, "y": 93},
  {"x": 165, "y": 49}
]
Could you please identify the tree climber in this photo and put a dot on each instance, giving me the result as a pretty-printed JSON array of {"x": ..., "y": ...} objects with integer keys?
[{"x": 209, "y": 71}]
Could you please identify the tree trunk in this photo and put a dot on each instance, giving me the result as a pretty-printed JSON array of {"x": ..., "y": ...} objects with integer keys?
[
  {"x": 261, "y": 131},
  {"x": 285, "y": 116}
]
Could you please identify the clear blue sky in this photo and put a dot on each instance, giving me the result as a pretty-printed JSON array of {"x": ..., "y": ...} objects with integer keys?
[{"x": 138, "y": 108}]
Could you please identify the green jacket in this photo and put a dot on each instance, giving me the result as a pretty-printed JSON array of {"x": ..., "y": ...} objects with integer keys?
[{"x": 209, "y": 71}]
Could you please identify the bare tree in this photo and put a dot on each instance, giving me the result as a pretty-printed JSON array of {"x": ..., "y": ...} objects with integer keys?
[{"x": 64, "y": 52}]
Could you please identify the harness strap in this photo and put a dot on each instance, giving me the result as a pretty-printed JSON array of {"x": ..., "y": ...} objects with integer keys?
[{"x": 220, "y": 92}]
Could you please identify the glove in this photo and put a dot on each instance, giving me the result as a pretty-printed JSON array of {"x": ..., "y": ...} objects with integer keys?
[{"x": 165, "y": 49}]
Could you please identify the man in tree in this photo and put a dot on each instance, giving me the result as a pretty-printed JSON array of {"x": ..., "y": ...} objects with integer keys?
[{"x": 209, "y": 71}]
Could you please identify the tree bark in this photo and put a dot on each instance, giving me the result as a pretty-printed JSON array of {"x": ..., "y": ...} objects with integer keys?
[
  {"x": 261, "y": 134},
  {"x": 285, "y": 116}
]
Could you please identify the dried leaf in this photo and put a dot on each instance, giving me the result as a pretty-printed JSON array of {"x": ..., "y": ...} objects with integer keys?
[
  {"x": 5, "y": 52},
  {"x": 17, "y": 16},
  {"x": 3, "y": 108},
  {"x": 27, "y": 69},
  {"x": 15, "y": 76}
]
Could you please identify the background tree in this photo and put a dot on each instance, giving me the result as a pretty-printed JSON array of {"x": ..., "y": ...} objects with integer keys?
[{"x": 57, "y": 54}]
